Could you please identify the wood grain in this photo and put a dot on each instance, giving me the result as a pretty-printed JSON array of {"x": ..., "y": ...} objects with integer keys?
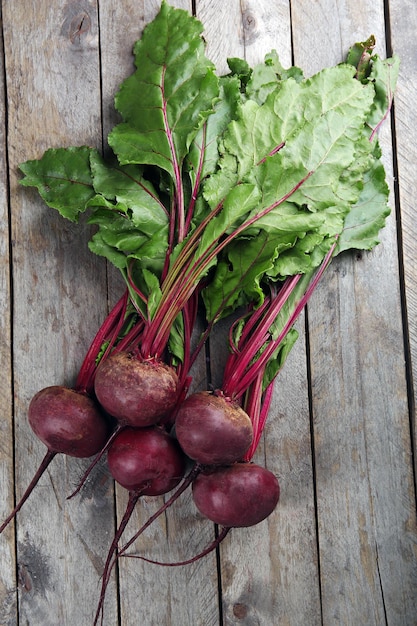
[
  {"x": 8, "y": 604},
  {"x": 186, "y": 596},
  {"x": 364, "y": 477},
  {"x": 403, "y": 24},
  {"x": 53, "y": 88}
]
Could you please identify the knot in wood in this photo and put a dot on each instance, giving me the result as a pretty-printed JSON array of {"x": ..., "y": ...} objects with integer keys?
[
  {"x": 80, "y": 26},
  {"x": 240, "y": 610},
  {"x": 77, "y": 23},
  {"x": 250, "y": 26},
  {"x": 24, "y": 578}
]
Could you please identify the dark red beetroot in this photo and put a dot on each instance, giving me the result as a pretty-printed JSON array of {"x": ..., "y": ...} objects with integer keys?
[
  {"x": 67, "y": 422},
  {"x": 137, "y": 393},
  {"x": 243, "y": 494},
  {"x": 146, "y": 460},
  {"x": 212, "y": 429}
]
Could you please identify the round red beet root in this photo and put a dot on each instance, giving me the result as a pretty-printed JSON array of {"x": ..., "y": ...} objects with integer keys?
[
  {"x": 137, "y": 393},
  {"x": 146, "y": 460},
  {"x": 68, "y": 422},
  {"x": 243, "y": 494},
  {"x": 212, "y": 430}
]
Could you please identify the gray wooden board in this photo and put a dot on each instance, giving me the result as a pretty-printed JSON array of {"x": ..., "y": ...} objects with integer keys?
[
  {"x": 263, "y": 582},
  {"x": 341, "y": 546},
  {"x": 53, "y": 91},
  {"x": 403, "y": 23},
  {"x": 364, "y": 476},
  {"x": 7, "y": 552}
]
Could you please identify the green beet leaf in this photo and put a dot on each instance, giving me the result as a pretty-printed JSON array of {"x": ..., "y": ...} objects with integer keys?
[
  {"x": 164, "y": 103},
  {"x": 126, "y": 186},
  {"x": 303, "y": 131},
  {"x": 367, "y": 217},
  {"x": 203, "y": 155},
  {"x": 63, "y": 178},
  {"x": 241, "y": 180},
  {"x": 384, "y": 75},
  {"x": 236, "y": 281},
  {"x": 119, "y": 240}
]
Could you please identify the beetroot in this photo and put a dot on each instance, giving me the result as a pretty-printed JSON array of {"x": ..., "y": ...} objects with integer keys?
[
  {"x": 243, "y": 494},
  {"x": 212, "y": 429},
  {"x": 146, "y": 460},
  {"x": 136, "y": 392},
  {"x": 68, "y": 421}
]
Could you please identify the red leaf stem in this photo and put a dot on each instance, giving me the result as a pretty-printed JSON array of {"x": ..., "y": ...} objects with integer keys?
[
  {"x": 180, "y": 285},
  {"x": 272, "y": 152},
  {"x": 177, "y": 216},
  {"x": 131, "y": 340},
  {"x": 196, "y": 187},
  {"x": 88, "y": 366},
  {"x": 258, "y": 410},
  {"x": 244, "y": 374},
  {"x": 250, "y": 344}
]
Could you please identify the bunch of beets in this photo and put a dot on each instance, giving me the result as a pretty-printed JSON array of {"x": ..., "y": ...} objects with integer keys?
[{"x": 220, "y": 197}]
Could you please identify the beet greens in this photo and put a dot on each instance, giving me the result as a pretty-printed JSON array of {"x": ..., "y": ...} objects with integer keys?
[{"x": 266, "y": 198}]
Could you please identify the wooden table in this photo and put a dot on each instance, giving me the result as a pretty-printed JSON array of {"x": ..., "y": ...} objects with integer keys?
[{"x": 341, "y": 547}]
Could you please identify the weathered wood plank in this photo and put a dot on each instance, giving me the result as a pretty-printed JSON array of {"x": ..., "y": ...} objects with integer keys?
[
  {"x": 52, "y": 66},
  {"x": 186, "y": 595},
  {"x": 403, "y": 26},
  {"x": 364, "y": 481},
  {"x": 269, "y": 573},
  {"x": 8, "y": 599}
]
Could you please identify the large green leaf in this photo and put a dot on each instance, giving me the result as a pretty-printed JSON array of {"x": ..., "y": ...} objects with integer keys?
[
  {"x": 204, "y": 151},
  {"x": 164, "y": 103},
  {"x": 203, "y": 155},
  {"x": 298, "y": 143},
  {"x": 236, "y": 281},
  {"x": 126, "y": 186},
  {"x": 63, "y": 178},
  {"x": 118, "y": 238},
  {"x": 310, "y": 168},
  {"x": 384, "y": 75},
  {"x": 366, "y": 218}
]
